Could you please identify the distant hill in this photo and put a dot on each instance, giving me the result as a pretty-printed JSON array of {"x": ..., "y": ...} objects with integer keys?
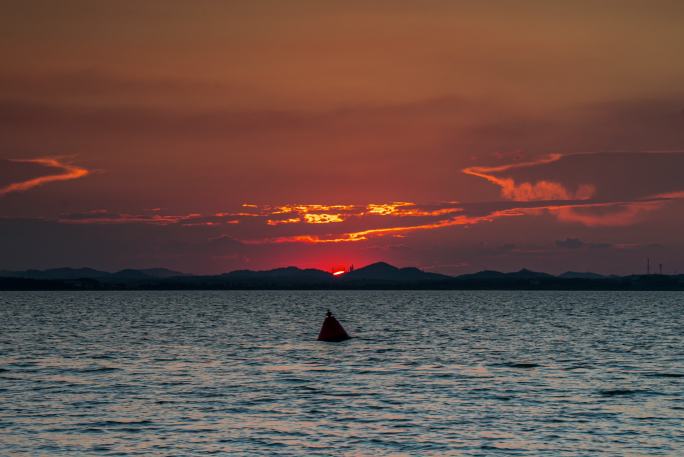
[
  {"x": 525, "y": 273},
  {"x": 129, "y": 274},
  {"x": 580, "y": 275},
  {"x": 146, "y": 273},
  {"x": 280, "y": 273},
  {"x": 382, "y": 271},
  {"x": 162, "y": 273},
  {"x": 56, "y": 273},
  {"x": 379, "y": 275},
  {"x": 485, "y": 274},
  {"x": 521, "y": 274},
  {"x": 90, "y": 273},
  {"x": 278, "y": 278}
]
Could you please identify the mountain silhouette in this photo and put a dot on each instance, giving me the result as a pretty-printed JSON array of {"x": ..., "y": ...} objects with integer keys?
[
  {"x": 56, "y": 273},
  {"x": 383, "y": 271},
  {"x": 129, "y": 274},
  {"x": 280, "y": 273},
  {"x": 525, "y": 273},
  {"x": 162, "y": 272},
  {"x": 90, "y": 273},
  {"x": 580, "y": 275},
  {"x": 380, "y": 275},
  {"x": 521, "y": 274},
  {"x": 485, "y": 274}
]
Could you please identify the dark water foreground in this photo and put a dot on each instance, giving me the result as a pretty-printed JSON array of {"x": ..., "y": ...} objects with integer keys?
[{"x": 428, "y": 373}]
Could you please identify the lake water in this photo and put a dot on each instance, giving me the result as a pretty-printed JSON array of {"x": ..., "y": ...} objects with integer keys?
[{"x": 428, "y": 373}]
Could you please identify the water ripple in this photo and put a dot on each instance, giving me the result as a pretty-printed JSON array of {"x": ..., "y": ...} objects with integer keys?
[{"x": 428, "y": 373}]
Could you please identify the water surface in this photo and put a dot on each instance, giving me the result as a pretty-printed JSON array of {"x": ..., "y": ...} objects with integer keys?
[{"x": 428, "y": 373}]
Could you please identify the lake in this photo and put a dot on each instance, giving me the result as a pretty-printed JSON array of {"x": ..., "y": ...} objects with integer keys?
[{"x": 427, "y": 373}]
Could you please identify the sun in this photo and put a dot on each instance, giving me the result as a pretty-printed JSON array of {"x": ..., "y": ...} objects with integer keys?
[{"x": 338, "y": 270}]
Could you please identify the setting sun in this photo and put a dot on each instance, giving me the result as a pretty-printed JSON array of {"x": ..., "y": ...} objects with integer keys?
[{"x": 338, "y": 270}]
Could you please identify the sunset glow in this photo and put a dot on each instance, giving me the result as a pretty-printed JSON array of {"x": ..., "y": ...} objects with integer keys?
[{"x": 245, "y": 136}]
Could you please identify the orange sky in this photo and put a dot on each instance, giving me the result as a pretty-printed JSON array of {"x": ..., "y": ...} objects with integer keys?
[{"x": 449, "y": 135}]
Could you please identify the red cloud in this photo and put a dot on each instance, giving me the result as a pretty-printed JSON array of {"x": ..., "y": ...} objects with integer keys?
[
  {"x": 67, "y": 173},
  {"x": 613, "y": 214},
  {"x": 587, "y": 210},
  {"x": 527, "y": 191},
  {"x": 351, "y": 223},
  {"x": 399, "y": 231}
]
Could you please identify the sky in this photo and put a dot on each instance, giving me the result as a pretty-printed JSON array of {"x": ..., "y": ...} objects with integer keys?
[{"x": 454, "y": 136}]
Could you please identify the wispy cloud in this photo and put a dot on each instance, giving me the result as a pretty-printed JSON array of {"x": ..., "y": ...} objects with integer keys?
[
  {"x": 67, "y": 172},
  {"x": 103, "y": 216},
  {"x": 531, "y": 191},
  {"x": 397, "y": 231},
  {"x": 539, "y": 193},
  {"x": 314, "y": 224},
  {"x": 594, "y": 212},
  {"x": 609, "y": 214}
]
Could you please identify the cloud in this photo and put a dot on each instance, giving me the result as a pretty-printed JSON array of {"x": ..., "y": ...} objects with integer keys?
[
  {"x": 67, "y": 172},
  {"x": 529, "y": 188},
  {"x": 530, "y": 191},
  {"x": 307, "y": 223},
  {"x": 609, "y": 215},
  {"x": 103, "y": 216},
  {"x": 315, "y": 224},
  {"x": 621, "y": 194}
]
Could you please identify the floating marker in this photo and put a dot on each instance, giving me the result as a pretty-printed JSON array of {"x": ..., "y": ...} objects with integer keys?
[{"x": 332, "y": 330}]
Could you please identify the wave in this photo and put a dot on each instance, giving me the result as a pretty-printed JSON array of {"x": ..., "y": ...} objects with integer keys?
[
  {"x": 665, "y": 375},
  {"x": 524, "y": 365},
  {"x": 626, "y": 392}
]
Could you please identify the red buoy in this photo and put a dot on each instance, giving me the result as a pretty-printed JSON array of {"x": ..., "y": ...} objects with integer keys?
[{"x": 332, "y": 330}]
